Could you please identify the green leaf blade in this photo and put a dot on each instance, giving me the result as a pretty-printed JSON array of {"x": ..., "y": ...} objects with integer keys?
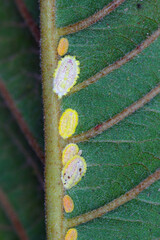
[
  {"x": 18, "y": 181},
  {"x": 124, "y": 155},
  {"x": 19, "y": 67}
]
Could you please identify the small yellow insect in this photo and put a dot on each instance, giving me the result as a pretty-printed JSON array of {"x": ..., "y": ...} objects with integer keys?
[
  {"x": 68, "y": 123},
  {"x": 70, "y": 151},
  {"x": 63, "y": 46},
  {"x": 68, "y": 204},
  {"x": 73, "y": 171},
  {"x": 65, "y": 75},
  {"x": 72, "y": 234}
]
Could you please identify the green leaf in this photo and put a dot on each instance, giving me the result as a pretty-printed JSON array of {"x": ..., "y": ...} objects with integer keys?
[
  {"x": 18, "y": 181},
  {"x": 19, "y": 67},
  {"x": 117, "y": 159},
  {"x": 124, "y": 155},
  {"x": 20, "y": 170}
]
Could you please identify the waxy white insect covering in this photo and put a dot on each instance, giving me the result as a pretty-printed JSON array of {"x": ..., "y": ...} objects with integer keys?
[
  {"x": 73, "y": 171},
  {"x": 65, "y": 75},
  {"x": 69, "y": 152}
]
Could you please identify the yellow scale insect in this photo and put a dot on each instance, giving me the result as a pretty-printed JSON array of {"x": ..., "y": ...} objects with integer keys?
[
  {"x": 72, "y": 234},
  {"x": 74, "y": 166},
  {"x": 68, "y": 204},
  {"x": 68, "y": 123},
  {"x": 70, "y": 151},
  {"x": 65, "y": 75},
  {"x": 62, "y": 46}
]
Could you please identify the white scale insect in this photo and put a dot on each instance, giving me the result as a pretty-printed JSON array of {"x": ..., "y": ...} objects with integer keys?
[
  {"x": 65, "y": 75},
  {"x": 74, "y": 166}
]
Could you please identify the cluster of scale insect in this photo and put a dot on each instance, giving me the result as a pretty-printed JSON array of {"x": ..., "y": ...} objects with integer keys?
[
  {"x": 74, "y": 166},
  {"x": 65, "y": 76}
]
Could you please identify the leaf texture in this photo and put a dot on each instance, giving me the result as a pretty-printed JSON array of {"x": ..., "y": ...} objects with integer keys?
[
  {"x": 19, "y": 67},
  {"x": 18, "y": 181},
  {"x": 124, "y": 155},
  {"x": 118, "y": 159},
  {"x": 20, "y": 171}
]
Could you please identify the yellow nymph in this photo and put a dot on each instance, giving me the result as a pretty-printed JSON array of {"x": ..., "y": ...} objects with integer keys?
[
  {"x": 63, "y": 46},
  {"x": 65, "y": 75},
  {"x": 72, "y": 234},
  {"x": 68, "y": 123},
  {"x": 69, "y": 151},
  {"x": 73, "y": 171},
  {"x": 68, "y": 204}
]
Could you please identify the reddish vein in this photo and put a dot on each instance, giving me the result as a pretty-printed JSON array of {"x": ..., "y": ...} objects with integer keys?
[
  {"x": 10, "y": 212},
  {"x": 28, "y": 19},
  {"x": 28, "y": 157},
  {"x": 22, "y": 124},
  {"x": 115, "y": 203},
  {"x": 117, "y": 118},
  {"x": 117, "y": 64},
  {"x": 92, "y": 19}
]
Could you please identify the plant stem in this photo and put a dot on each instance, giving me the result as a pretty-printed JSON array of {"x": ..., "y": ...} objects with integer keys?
[{"x": 53, "y": 184}]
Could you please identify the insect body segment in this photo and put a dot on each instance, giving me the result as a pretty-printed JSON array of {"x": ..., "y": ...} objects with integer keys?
[
  {"x": 65, "y": 75},
  {"x": 73, "y": 171}
]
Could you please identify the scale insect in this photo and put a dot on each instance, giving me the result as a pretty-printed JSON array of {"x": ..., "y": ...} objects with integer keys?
[
  {"x": 71, "y": 234},
  {"x": 62, "y": 46},
  {"x": 65, "y": 75},
  {"x": 73, "y": 171},
  {"x": 68, "y": 204},
  {"x": 70, "y": 151},
  {"x": 68, "y": 123}
]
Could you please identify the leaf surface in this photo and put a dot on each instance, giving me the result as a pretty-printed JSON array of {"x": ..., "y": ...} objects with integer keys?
[
  {"x": 20, "y": 171},
  {"x": 124, "y": 155},
  {"x": 19, "y": 67},
  {"x": 18, "y": 181},
  {"x": 119, "y": 158}
]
